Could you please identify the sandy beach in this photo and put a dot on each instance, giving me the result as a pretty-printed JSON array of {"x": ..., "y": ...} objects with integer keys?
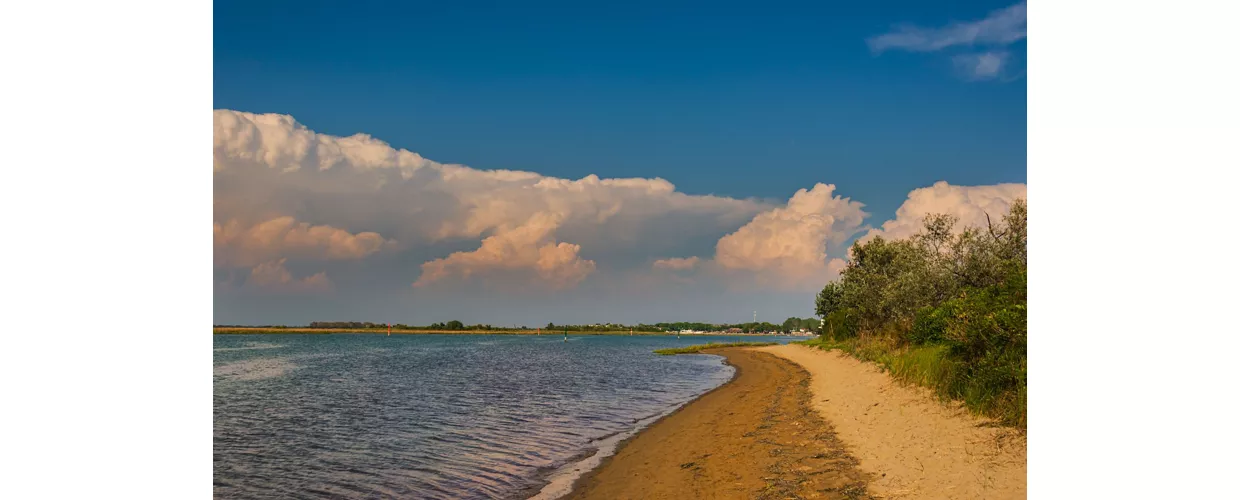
[
  {"x": 754, "y": 437},
  {"x": 800, "y": 422},
  {"x": 914, "y": 445}
]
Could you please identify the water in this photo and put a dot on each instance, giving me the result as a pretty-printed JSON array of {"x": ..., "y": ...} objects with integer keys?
[{"x": 436, "y": 416}]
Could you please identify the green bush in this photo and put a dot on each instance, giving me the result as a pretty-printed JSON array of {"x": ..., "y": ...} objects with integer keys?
[
  {"x": 945, "y": 309},
  {"x": 841, "y": 324},
  {"x": 929, "y": 325}
]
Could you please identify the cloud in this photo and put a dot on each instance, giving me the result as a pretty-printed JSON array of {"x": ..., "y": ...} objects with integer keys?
[
  {"x": 676, "y": 263},
  {"x": 981, "y": 66},
  {"x": 285, "y": 191},
  {"x": 272, "y": 276},
  {"x": 970, "y": 204},
  {"x": 528, "y": 246},
  {"x": 238, "y": 245},
  {"x": 1000, "y": 27},
  {"x": 786, "y": 247}
]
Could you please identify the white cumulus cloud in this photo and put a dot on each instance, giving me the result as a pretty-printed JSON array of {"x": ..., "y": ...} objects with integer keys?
[
  {"x": 528, "y": 246},
  {"x": 285, "y": 191},
  {"x": 971, "y": 204},
  {"x": 786, "y": 247},
  {"x": 237, "y": 244}
]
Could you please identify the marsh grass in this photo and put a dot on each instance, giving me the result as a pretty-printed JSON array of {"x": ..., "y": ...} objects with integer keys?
[{"x": 695, "y": 349}]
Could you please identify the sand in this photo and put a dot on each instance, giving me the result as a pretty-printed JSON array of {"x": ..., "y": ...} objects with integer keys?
[
  {"x": 912, "y": 445},
  {"x": 756, "y": 436}
]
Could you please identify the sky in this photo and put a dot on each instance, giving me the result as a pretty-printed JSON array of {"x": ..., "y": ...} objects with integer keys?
[{"x": 518, "y": 165}]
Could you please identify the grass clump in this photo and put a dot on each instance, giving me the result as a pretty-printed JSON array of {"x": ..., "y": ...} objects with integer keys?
[{"x": 695, "y": 349}]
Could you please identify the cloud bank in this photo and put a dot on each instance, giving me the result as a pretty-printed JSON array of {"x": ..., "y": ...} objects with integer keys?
[
  {"x": 285, "y": 191},
  {"x": 353, "y": 207}
]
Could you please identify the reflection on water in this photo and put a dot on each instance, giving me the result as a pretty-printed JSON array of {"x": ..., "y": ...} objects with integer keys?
[{"x": 430, "y": 416}]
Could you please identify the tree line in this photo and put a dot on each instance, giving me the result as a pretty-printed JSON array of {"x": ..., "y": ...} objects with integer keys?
[{"x": 790, "y": 325}]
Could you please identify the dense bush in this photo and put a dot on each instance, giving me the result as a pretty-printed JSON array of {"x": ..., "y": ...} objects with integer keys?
[
  {"x": 951, "y": 302},
  {"x": 840, "y": 324}
]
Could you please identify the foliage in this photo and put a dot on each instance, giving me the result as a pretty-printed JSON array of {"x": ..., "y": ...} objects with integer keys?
[
  {"x": 750, "y": 327},
  {"x": 794, "y": 324},
  {"x": 943, "y": 308},
  {"x": 695, "y": 349},
  {"x": 840, "y": 324}
]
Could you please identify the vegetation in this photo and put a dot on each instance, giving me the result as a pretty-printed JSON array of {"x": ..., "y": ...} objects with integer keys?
[
  {"x": 401, "y": 329},
  {"x": 943, "y": 309},
  {"x": 749, "y": 327},
  {"x": 455, "y": 326},
  {"x": 795, "y": 324},
  {"x": 695, "y": 349}
]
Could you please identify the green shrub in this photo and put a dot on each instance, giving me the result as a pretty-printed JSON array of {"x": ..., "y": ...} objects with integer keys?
[
  {"x": 946, "y": 309},
  {"x": 841, "y": 324},
  {"x": 929, "y": 325}
]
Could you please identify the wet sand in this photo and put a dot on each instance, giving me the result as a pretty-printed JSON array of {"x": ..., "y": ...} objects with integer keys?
[{"x": 756, "y": 436}]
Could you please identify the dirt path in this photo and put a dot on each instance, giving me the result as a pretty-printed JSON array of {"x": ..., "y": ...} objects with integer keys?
[
  {"x": 912, "y": 445},
  {"x": 754, "y": 437}
]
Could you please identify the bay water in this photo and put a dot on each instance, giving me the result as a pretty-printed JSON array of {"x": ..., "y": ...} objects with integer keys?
[{"x": 437, "y": 416}]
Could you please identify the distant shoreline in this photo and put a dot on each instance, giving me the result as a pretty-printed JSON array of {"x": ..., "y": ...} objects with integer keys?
[{"x": 384, "y": 331}]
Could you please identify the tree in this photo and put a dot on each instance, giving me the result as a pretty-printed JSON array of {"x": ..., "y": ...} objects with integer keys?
[
  {"x": 829, "y": 299},
  {"x": 455, "y": 325}
]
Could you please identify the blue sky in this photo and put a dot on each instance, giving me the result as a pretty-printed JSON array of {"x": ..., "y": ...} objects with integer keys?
[{"x": 743, "y": 102}]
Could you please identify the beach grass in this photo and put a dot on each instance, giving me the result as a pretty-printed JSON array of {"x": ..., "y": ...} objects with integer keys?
[
  {"x": 930, "y": 366},
  {"x": 695, "y": 349}
]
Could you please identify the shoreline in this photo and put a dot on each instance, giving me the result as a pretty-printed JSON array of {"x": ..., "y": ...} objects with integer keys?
[
  {"x": 753, "y": 436},
  {"x": 384, "y": 331},
  {"x": 561, "y": 483},
  {"x": 886, "y": 439}
]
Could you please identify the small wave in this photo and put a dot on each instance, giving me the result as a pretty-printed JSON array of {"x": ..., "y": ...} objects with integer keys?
[
  {"x": 254, "y": 369},
  {"x": 560, "y": 482},
  {"x": 248, "y": 347}
]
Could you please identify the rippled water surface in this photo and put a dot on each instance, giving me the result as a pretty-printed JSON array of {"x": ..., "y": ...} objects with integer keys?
[{"x": 433, "y": 416}]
